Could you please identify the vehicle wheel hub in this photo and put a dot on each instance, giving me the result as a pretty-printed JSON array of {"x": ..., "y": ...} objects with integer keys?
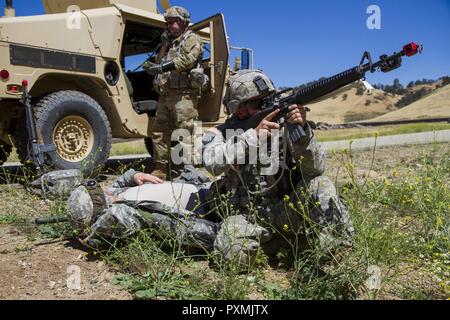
[{"x": 74, "y": 138}]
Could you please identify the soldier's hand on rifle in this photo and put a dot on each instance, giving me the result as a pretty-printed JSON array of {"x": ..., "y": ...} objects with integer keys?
[
  {"x": 154, "y": 69},
  {"x": 297, "y": 115},
  {"x": 266, "y": 126},
  {"x": 143, "y": 178}
]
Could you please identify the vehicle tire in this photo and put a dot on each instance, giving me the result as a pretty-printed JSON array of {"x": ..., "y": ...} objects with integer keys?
[
  {"x": 78, "y": 127},
  {"x": 149, "y": 146},
  {"x": 5, "y": 150}
]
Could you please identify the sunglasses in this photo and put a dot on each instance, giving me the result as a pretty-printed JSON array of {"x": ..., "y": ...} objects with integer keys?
[{"x": 168, "y": 22}]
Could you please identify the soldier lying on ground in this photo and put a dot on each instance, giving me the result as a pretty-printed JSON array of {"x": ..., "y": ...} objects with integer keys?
[{"x": 138, "y": 201}]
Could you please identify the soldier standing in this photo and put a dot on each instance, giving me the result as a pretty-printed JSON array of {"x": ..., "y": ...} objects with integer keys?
[{"x": 180, "y": 54}]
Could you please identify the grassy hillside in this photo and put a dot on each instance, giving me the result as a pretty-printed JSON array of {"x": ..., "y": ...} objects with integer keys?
[
  {"x": 435, "y": 105},
  {"x": 381, "y": 106},
  {"x": 348, "y": 107}
]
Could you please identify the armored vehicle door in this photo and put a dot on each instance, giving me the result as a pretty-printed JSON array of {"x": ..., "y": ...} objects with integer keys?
[{"x": 215, "y": 63}]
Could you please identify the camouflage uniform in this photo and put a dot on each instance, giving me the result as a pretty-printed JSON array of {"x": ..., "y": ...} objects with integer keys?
[
  {"x": 240, "y": 220},
  {"x": 304, "y": 200},
  {"x": 177, "y": 106},
  {"x": 128, "y": 209},
  {"x": 57, "y": 184}
]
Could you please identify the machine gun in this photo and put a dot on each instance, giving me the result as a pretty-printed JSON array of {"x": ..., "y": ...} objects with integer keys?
[
  {"x": 321, "y": 88},
  {"x": 36, "y": 151}
]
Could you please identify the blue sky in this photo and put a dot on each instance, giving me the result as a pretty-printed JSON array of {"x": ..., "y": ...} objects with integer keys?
[{"x": 300, "y": 41}]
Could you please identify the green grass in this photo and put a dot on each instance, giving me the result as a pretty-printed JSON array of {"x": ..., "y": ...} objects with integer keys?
[
  {"x": 12, "y": 218},
  {"x": 153, "y": 268},
  {"x": 13, "y": 157},
  {"x": 402, "y": 229},
  {"x": 348, "y": 134},
  {"x": 401, "y": 218},
  {"x": 127, "y": 148}
]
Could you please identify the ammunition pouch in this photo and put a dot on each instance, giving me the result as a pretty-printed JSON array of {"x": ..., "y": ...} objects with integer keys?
[
  {"x": 199, "y": 80},
  {"x": 194, "y": 80}
]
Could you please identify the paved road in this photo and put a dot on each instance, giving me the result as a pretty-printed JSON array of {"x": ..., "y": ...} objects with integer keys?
[
  {"x": 388, "y": 141},
  {"x": 367, "y": 143},
  {"x": 359, "y": 144}
]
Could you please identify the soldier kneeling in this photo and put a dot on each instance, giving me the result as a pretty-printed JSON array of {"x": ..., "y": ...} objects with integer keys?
[{"x": 297, "y": 205}]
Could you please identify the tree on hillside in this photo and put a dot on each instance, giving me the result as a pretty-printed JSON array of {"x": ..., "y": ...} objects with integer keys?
[
  {"x": 424, "y": 81},
  {"x": 412, "y": 97},
  {"x": 379, "y": 86},
  {"x": 397, "y": 87},
  {"x": 360, "y": 91}
]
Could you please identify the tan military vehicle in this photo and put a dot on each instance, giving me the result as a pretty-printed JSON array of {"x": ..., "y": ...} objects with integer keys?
[{"x": 75, "y": 59}]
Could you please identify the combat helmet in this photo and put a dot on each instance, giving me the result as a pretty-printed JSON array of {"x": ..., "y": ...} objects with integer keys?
[
  {"x": 245, "y": 86},
  {"x": 85, "y": 204},
  {"x": 178, "y": 12}
]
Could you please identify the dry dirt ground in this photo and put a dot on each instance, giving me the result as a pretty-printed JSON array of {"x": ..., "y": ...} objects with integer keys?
[
  {"x": 40, "y": 269},
  {"x": 33, "y": 267}
]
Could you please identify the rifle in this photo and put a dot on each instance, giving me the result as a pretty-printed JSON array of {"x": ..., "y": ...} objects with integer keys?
[
  {"x": 321, "y": 88},
  {"x": 51, "y": 220},
  {"x": 36, "y": 151}
]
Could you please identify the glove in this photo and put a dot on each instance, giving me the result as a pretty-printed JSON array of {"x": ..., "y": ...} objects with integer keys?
[
  {"x": 155, "y": 69},
  {"x": 166, "y": 38},
  {"x": 151, "y": 68}
]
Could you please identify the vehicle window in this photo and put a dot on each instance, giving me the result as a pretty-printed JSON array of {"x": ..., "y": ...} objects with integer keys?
[
  {"x": 206, "y": 51},
  {"x": 133, "y": 63}
]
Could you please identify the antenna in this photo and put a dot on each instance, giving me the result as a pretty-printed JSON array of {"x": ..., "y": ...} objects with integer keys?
[
  {"x": 9, "y": 9},
  {"x": 165, "y": 4}
]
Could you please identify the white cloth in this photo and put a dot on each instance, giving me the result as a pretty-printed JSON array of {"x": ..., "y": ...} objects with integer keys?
[{"x": 176, "y": 195}]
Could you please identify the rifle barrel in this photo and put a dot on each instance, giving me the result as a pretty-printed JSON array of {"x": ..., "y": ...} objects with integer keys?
[
  {"x": 318, "y": 89},
  {"x": 51, "y": 220},
  {"x": 323, "y": 87}
]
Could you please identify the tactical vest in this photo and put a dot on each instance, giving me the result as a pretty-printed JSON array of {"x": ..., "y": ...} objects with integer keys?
[
  {"x": 174, "y": 80},
  {"x": 251, "y": 180}
]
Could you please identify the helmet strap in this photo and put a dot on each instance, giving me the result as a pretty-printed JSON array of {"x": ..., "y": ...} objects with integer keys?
[
  {"x": 99, "y": 201},
  {"x": 261, "y": 84}
]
